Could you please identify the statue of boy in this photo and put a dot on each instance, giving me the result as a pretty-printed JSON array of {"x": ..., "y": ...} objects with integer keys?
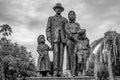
[
  {"x": 72, "y": 28},
  {"x": 56, "y": 36},
  {"x": 82, "y": 49},
  {"x": 43, "y": 60}
]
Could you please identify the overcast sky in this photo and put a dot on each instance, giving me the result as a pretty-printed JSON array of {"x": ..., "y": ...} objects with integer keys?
[{"x": 28, "y": 18}]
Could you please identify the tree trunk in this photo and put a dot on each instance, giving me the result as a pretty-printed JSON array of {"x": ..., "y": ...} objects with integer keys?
[
  {"x": 110, "y": 68},
  {"x": 95, "y": 67},
  {"x": 3, "y": 75}
]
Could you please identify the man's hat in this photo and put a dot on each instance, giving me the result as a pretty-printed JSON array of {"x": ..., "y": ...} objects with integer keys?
[{"x": 58, "y": 5}]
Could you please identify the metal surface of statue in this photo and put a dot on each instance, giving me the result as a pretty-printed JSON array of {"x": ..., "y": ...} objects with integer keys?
[
  {"x": 82, "y": 50},
  {"x": 72, "y": 28},
  {"x": 43, "y": 65},
  {"x": 56, "y": 36}
]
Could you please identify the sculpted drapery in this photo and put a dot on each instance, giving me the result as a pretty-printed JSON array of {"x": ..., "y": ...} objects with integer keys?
[{"x": 43, "y": 59}]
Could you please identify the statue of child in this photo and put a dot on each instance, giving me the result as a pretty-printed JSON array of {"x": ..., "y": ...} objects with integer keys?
[
  {"x": 82, "y": 49},
  {"x": 43, "y": 65}
]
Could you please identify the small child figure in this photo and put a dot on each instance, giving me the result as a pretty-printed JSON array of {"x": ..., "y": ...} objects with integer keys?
[
  {"x": 82, "y": 49},
  {"x": 43, "y": 65}
]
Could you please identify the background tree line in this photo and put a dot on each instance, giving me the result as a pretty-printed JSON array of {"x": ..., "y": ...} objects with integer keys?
[{"x": 15, "y": 60}]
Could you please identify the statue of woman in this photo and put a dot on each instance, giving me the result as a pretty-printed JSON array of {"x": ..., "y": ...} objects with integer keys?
[
  {"x": 43, "y": 65},
  {"x": 71, "y": 28}
]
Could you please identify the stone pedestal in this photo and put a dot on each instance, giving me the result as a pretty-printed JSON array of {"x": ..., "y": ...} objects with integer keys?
[
  {"x": 65, "y": 78},
  {"x": 61, "y": 78}
]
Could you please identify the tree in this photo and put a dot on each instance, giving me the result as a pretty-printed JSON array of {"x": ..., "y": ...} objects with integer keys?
[
  {"x": 16, "y": 61},
  {"x": 6, "y": 31},
  {"x": 106, "y": 52}
]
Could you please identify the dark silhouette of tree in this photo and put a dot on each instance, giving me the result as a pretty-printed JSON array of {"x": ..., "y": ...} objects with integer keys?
[
  {"x": 15, "y": 60},
  {"x": 5, "y": 30},
  {"x": 105, "y": 61}
]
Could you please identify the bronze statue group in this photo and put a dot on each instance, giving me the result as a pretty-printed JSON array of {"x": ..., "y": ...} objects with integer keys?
[{"x": 62, "y": 33}]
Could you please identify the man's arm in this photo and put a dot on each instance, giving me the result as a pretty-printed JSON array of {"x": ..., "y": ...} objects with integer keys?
[
  {"x": 65, "y": 22},
  {"x": 76, "y": 48},
  {"x": 67, "y": 30},
  {"x": 48, "y": 30}
]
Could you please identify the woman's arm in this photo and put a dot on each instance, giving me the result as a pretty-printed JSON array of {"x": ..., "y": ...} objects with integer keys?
[{"x": 39, "y": 51}]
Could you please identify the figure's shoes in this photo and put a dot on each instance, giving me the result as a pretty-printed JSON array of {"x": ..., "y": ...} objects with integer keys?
[
  {"x": 79, "y": 74},
  {"x": 55, "y": 74},
  {"x": 48, "y": 75},
  {"x": 83, "y": 73},
  {"x": 40, "y": 75},
  {"x": 60, "y": 73},
  {"x": 73, "y": 75}
]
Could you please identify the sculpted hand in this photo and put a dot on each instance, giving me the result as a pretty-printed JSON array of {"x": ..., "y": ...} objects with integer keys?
[
  {"x": 70, "y": 35},
  {"x": 64, "y": 40},
  {"x": 67, "y": 42},
  {"x": 41, "y": 55},
  {"x": 49, "y": 40}
]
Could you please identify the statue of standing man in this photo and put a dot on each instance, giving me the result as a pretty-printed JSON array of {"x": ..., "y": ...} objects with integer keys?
[{"x": 55, "y": 33}]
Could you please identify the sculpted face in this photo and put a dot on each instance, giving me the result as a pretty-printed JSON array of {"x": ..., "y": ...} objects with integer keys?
[
  {"x": 81, "y": 36},
  {"x": 41, "y": 39},
  {"x": 58, "y": 10},
  {"x": 72, "y": 15}
]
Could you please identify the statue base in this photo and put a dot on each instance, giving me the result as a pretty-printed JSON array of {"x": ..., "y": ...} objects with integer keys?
[
  {"x": 61, "y": 78},
  {"x": 65, "y": 78}
]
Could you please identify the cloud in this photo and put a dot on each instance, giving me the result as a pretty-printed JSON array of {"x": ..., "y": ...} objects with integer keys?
[{"x": 28, "y": 18}]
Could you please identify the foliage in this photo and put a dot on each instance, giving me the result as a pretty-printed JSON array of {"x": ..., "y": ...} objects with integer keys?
[
  {"x": 6, "y": 30},
  {"x": 107, "y": 55},
  {"x": 16, "y": 61}
]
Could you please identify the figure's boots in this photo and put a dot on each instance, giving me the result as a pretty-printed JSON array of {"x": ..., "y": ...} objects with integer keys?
[
  {"x": 73, "y": 73},
  {"x": 48, "y": 74},
  {"x": 83, "y": 73},
  {"x": 79, "y": 74},
  {"x": 40, "y": 74},
  {"x": 55, "y": 74},
  {"x": 60, "y": 73}
]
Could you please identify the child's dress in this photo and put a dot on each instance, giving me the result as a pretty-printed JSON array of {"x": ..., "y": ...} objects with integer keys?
[{"x": 43, "y": 59}]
